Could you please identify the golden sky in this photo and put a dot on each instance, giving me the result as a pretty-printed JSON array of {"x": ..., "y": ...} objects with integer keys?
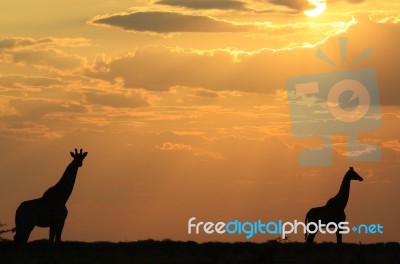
[{"x": 182, "y": 106}]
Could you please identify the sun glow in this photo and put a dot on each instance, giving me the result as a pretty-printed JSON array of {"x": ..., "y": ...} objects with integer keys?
[{"x": 319, "y": 8}]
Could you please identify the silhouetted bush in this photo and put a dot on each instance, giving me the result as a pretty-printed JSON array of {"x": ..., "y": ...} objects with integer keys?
[{"x": 3, "y": 231}]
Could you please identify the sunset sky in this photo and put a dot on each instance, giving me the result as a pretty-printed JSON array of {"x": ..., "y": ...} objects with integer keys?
[{"x": 183, "y": 108}]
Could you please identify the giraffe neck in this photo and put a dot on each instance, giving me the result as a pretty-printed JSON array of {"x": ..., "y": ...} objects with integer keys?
[
  {"x": 343, "y": 195},
  {"x": 61, "y": 192}
]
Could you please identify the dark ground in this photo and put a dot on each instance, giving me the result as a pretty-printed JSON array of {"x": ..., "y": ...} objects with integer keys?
[{"x": 175, "y": 252}]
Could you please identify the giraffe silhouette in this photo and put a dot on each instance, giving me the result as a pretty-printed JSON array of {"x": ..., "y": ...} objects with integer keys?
[
  {"x": 333, "y": 211},
  {"x": 49, "y": 210}
]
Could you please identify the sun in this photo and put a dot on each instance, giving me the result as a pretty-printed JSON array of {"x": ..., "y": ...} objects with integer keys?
[{"x": 319, "y": 8}]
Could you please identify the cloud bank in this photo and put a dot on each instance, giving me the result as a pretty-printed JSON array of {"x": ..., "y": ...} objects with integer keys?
[
  {"x": 205, "y": 4},
  {"x": 169, "y": 22}
]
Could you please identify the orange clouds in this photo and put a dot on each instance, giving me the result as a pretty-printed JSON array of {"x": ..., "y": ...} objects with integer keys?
[
  {"x": 170, "y": 88},
  {"x": 115, "y": 99},
  {"x": 34, "y": 108},
  {"x": 42, "y": 54},
  {"x": 176, "y": 146}
]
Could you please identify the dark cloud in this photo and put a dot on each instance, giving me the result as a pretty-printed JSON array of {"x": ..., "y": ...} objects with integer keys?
[
  {"x": 166, "y": 22},
  {"x": 205, "y": 4},
  {"x": 10, "y": 43},
  {"x": 20, "y": 42},
  {"x": 298, "y": 5},
  {"x": 206, "y": 93}
]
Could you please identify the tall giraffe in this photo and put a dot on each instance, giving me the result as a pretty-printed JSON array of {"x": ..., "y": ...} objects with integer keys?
[
  {"x": 49, "y": 210},
  {"x": 333, "y": 211}
]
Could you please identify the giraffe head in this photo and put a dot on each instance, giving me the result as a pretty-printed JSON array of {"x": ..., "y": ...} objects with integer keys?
[
  {"x": 353, "y": 175},
  {"x": 78, "y": 156}
]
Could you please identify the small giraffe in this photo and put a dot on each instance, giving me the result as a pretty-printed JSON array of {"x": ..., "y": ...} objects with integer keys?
[
  {"x": 49, "y": 210},
  {"x": 333, "y": 211}
]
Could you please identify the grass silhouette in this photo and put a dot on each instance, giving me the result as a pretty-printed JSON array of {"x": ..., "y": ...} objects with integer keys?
[{"x": 167, "y": 251}]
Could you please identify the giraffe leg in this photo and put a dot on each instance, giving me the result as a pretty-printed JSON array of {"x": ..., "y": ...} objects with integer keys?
[
  {"x": 55, "y": 233},
  {"x": 58, "y": 231},
  {"x": 309, "y": 242},
  {"x": 310, "y": 238},
  {"x": 23, "y": 221},
  {"x": 22, "y": 234},
  {"x": 60, "y": 225},
  {"x": 57, "y": 225},
  {"x": 339, "y": 246},
  {"x": 52, "y": 234},
  {"x": 339, "y": 238},
  {"x": 342, "y": 218}
]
